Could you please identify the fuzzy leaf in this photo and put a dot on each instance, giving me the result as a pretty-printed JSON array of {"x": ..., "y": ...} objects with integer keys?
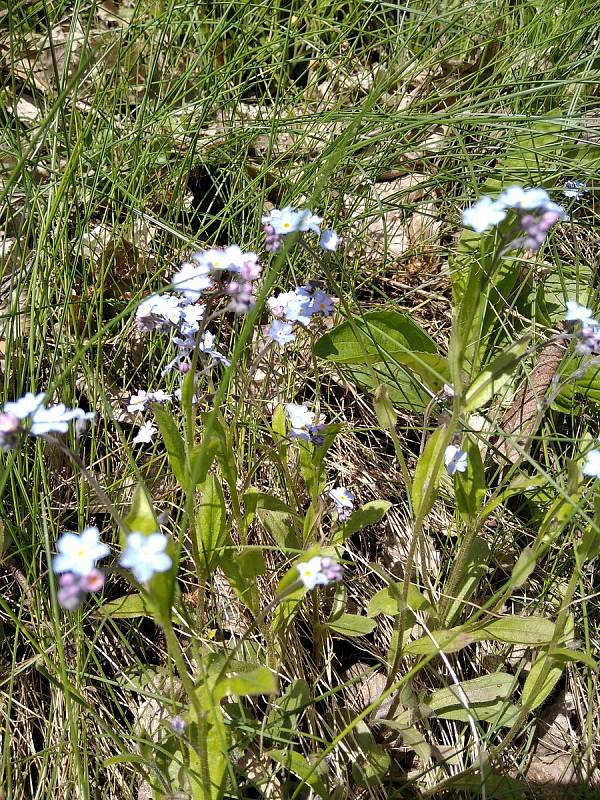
[
  {"x": 301, "y": 768},
  {"x": 523, "y": 568},
  {"x": 400, "y": 353},
  {"x": 141, "y": 515},
  {"x": 533, "y": 631},
  {"x": 253, "y": 682},
  {"x": 173, "y": 442},
  {"x": 389, "y": 601},
  {"x": 128, "y": 606},
  {"x": 209, "y": 732},
  {"x": 161, "y": 587},
  {"x": 469, "y": 486},
  {"x": 450, "y": 641},
  {"x": 543, "y": 677},
  {"x": 352, "y": 625},
  {"x": 497, "y": 786},
  {"x": 366, "y": 515},
  {"x": 281, "y": 522},
  {"x": 428, "y": 474},
  {"x": 487, "y": 698},
  {"x": 286, "y": 710},
  {"x": 474, "y": 568},
  {"x": 567, "y": 654},
  {"x": 241, "y": 571},
  {"x": 210, "y": 525},
  {"x": 489, "y": 382},
  {"x": 370, "y": 767}
]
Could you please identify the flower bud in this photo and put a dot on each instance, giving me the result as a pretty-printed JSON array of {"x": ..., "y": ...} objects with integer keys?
[{"x": 10, "y": 429}]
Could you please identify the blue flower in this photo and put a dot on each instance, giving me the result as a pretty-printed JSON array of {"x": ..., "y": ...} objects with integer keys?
[
  {"x": 281, "y": 333},
  {"x": 145, "y": 555},
  {"x": 485, "y": 213},
  {"x": 78, "y": 552},
  {"x": 455, "y": 459},
  {"x": 329, "y": 241},
  {"x": 591, "y": 465},
  {"x": 577, "y": 313}
]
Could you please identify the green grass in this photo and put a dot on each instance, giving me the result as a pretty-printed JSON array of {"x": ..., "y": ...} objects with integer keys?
[{"x": 160, "y": 127}]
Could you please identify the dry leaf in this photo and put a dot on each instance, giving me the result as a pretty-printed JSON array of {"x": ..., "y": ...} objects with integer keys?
[
  {"x": 368, "y": 688},
  {"x": 26, "y": 111},
  {"x": 523, "y": 418},
  {"x": 555, "y": 767},
  {"x": 384, "y": 229}
]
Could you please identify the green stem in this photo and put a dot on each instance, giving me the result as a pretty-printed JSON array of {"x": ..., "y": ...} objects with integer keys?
[{"x": 200, "y": 791}]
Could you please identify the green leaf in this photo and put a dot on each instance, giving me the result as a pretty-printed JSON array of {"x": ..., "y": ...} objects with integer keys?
[
  {"x": 173, "y": 442},
  {"x": 565, "y": 654},
  {"x": 279, "y": 424},
  {"x": 241, "y": 570},
  {"x": 411, "y": 737},
  {"x": 450, "y": 641},
  {"x": 366, "y": 515},
  {"x": 543, "y": 677},
  {"x": 487, "y": 698},
  {"x": 405, "y": 389},
  {"x": 209, "y": 735},
  {"x": 302, "y": 769},
  {"x": 389, "y": 601},
  {"x": 141, "y": 517},
  {"x": 519, "y": 485},
  {"x": 523, "y": 568},
  {"x": 428, "y": 473},
  {"x": 532, "y": 631},
  {"x": 489, "y": 382},
  {"x": 210, "y": 525},
  {"x": 383, "y": 334},
  {"x": 589, "y": 547},
  {"x": 253, "y": 682},
  {"x": 497, "y": 786},
  {"x": 384, "y": 409},
  {"x": 475, "y": 567},
  {"x": 126, "y": 607},
  {"x": 288, "y": 606},
  {"x": 280, "y": 521},
  {"x": 391, "y": 343},
  {"x": 351, "y": 625},
  {"x": 469, "y": 486},
  {"x": 414, "y": 739},
  {"x": 225, "y": 455},
  {"x": 202, "y": 457},
  {"x": 370, "y": 767},
  {"x": 286, "y": 710},
  {"x": 312, "y": 458}
]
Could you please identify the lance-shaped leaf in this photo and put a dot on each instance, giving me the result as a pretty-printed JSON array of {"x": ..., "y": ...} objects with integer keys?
[
  {"x": 141, "y": 518},
  {"x": 489, "y": 382},
  {"x": 211, "y": 525},
  {"x": 173, "y": 442},
  {"x": 428, "y": 473}
]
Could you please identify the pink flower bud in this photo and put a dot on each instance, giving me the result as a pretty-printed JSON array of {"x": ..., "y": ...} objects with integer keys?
[{"x": 93, "y": 581}]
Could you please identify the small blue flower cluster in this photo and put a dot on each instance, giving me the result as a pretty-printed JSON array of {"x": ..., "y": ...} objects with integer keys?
[
  {"x": 30, "y": 415},
  {"x": 76, "y": 560},
  {"x": 536, "y": 213},
  {"x": 297, "y": 308},
  {"x": 281, "y": 222}
]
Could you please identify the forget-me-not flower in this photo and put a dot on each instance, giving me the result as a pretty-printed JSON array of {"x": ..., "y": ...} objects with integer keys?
[
  {"x": 145, "y": 555},
  {"x": 78, "y": 553},
  {"x": 455, "y": 459},
  {"x": 591, "y": 465}
]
